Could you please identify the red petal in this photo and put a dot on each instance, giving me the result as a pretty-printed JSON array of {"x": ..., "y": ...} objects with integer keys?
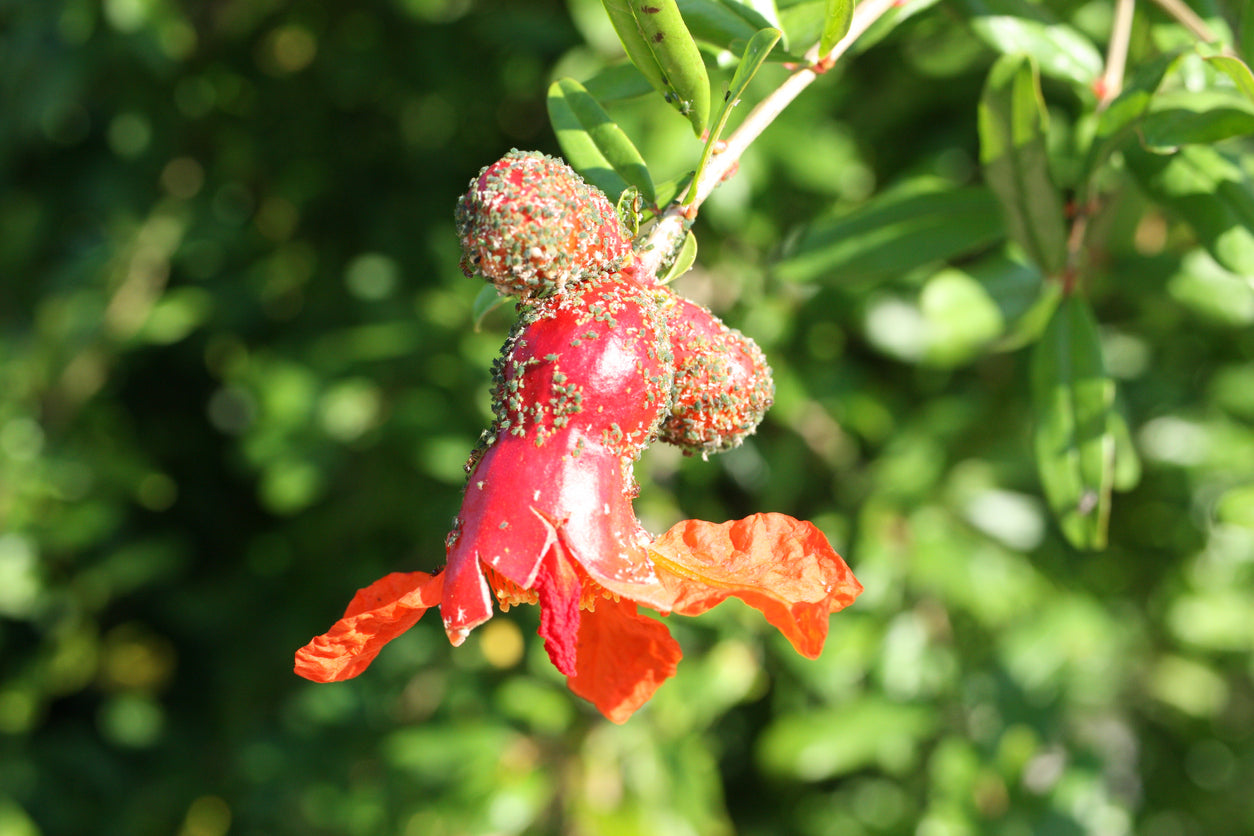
[
  {"x": 375, "y": 616},
  {"x": 560, "y": 588},
  {"x": 623, "y": 658},
  {"x": 774, "y": 563}
]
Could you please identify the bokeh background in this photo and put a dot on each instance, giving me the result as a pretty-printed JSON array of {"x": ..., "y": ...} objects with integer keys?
[{"x": 240, "y": 375}]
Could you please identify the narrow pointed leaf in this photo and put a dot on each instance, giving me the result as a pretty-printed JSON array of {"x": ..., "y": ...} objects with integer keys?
[
  {"x": 1075, "y": 449},
  {"x": 835, "y": 24},
  {"x": 892, "y": 235},
  {"x": 754, "y": 56},
  {"x": 658, "y": 42},
  {"x": 723, "y": 23},
  {"x": 638, "y": 52},
  {"x": 755, "y": 53},
  {"x": 1013, "y": 125},
  {"x": 1197, "y": 116},
  {"x": 594, "y": 144},
  {"x": 1015, "y": 27},
  {"x": 1207, "y": 191}
]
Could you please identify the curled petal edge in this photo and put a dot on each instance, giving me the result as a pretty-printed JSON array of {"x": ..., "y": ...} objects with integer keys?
[
  {"x": 377, "y": 614},
  {"x": 781, "y": 566}
]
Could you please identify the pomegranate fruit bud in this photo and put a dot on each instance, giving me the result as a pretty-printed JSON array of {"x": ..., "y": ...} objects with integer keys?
[
  {"x": 723, "y": 384},
  {"x": 529, "y": 224}
]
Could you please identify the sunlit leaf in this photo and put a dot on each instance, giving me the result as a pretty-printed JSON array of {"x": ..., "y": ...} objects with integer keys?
[
  {"x": 658, "y": 42},
  {"x": 594, "y": 144},
  {"x": 723, "y": 23},
  {"x": 870, "y": 733},
  {"x": 755, "y": 53},
  {"x": 617, "y": 82},
  {"x": 1072, "y": 399},
  {"x": 1207, "y": 191},
  {"x": 682, "y": 262},
  {"x": 1013, "y": 124},
  {"x": 1197, "y": 116},
  {"x": 1238, "y": 71},
  {"x": 1015, "y": 27},
  {"x": 836, "y": 22},
  {"x": 893, "y": 234}
]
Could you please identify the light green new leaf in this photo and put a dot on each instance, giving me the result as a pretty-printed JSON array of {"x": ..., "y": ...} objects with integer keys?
[
  {"x": 659, "y": 44},
  {"x": 682, "y": 262},
  {"x": 893, "y": 234},
  {"x": 1013, "y": 124},
  {"x": 1015, "y": 27},
  {"x": 1208, "y": 192},
  {"x": 835, "y": 24},
  {"x": 594, "y": 144},
  {"x": 1072, "y": 399},
  {"x": 1238, "y": 71},
  {"x": 759, "y": 46}
]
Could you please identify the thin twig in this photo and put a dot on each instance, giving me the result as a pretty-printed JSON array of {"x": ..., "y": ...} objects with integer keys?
[
  {"x": 669, "y": 231},
  {"x": 1189, "y": 19},
  {"x": 1116, "y": 53}
]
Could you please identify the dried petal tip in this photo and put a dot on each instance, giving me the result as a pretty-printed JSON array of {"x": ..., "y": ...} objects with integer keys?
[{"x": 530, "y": 224}]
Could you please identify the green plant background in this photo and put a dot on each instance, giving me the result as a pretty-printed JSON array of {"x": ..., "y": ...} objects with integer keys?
[{"x": 239, "y": 378}]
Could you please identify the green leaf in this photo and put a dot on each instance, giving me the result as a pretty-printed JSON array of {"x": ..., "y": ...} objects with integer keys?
[
  {"x": 1015, "y": 27},
  {"x": 1197, "y": 116},
  {"x": 754, "y": 56},
  {"x": 1115, "y": 123},
  {"x": 487, "y": 300},
  {"x": 618, "y": 82},
  {"x": 893, "y": 234},
  {"x": 1238, "y": 71},
  {"x": 682, "y": 262},
  {"x": 759, "y": 46},
  {"x": 836, "y": 22},
  {"x": 594, "y": 144},
  {"x": 638, "y": 52},
  {"x": 1072, "y": 399},
  {"x": 888, "y": 22},
  {"x": 1127, "y": 468},
  {"x": 1013, "y": 124},
  {"x": 657, "y": 41},
  {"x": 1208, "y": 192},
  {"x": 869, "y": 733},
  {"x": 723, "y": 23}
]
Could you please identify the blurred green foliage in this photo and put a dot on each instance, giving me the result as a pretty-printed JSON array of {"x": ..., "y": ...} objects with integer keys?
[{"x": 239, "y": 378}]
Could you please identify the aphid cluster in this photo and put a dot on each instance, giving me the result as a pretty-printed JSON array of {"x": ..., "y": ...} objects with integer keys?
[{"x": 669, "y": 370}]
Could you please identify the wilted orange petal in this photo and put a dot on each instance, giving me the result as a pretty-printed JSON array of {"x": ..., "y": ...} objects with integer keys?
[
  {"x": 782, "y": 566},
  {"x": 623, "y": 658},
  {"x": 375, "y": 616}
]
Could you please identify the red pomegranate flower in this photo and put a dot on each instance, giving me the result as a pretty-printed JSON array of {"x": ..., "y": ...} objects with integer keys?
[
  {"x": 593, "y": 373},
  {"x": 582, "y": 387}
]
